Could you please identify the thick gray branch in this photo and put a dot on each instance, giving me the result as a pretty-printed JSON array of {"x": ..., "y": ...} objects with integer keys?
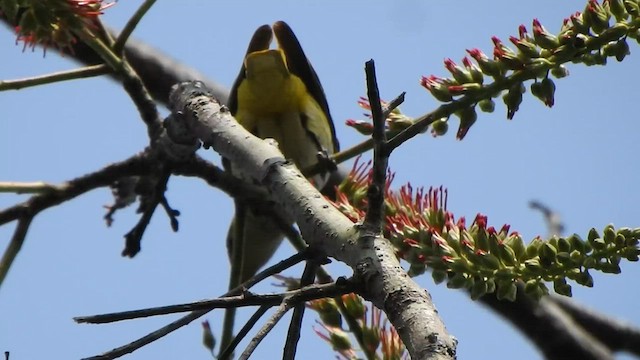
[{"x": 385, "y": 283}]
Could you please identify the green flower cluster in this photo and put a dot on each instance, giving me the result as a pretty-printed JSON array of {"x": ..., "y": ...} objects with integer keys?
[
  {"x": 591, "y": 37},
  {"x": 478, "y": 257},
  {"x": 379, "y": 340}
]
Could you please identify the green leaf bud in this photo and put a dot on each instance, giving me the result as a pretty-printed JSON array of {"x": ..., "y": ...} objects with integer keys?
[
  {"x": 507, "y": 291},
  {"x": 491, "y": 286},
  {"x": 533, "y": 247},
  {"x": 438, "y": 276},
  {"x": 560, "y": 72},
  {"x": 478, "y": 289},
  {"x": 621, "y": 50},
  {"x": 517, "y": 245},
  {"x": 618, "y": 10},
  {"x": 548, "y": 254},
  {"x": 417, "y": 268},
  {"x": 599, "y": 244},
  {"x": 564, "y": 245},
  {"x": 507, "y": 255},
  {"x": 440, "y": 127},
  {"x": 468, "y": 117},
  {"x": 585, "y": 279},
  {"x": 339, "y": 340},
  {"x": 487, "y": 105},
  {"x": 458, "y": 281},
  {"x": 577, "y": 243},
  {"x": 576, "y": 256},
  {"x": 609, "y": 234},
  {"x": 589, "y": 263},
  {"x": 631, "y": 254},
  {"x": 561, "y": 287}
]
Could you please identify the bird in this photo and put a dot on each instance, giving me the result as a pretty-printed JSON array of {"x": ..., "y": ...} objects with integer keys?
[{"x": 277, "y": 95}]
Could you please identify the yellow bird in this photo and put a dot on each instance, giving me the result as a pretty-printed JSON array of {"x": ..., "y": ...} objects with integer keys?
[{"x": 276, "y": 95}]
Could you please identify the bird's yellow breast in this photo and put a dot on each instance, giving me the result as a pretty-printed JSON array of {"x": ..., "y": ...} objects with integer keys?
[
  {"x": 269, "y": 87},
  {"x": 274, "y": 103}
]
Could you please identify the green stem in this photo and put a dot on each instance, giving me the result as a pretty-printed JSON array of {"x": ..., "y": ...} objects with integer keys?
[
  {"x": 118, "y": 47},
  {"x": 85, "y": 72},
  {"x": 109, "y": 57}
]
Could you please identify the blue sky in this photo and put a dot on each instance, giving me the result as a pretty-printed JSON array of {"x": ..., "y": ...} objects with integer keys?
[{"x": 579, "y": 157}]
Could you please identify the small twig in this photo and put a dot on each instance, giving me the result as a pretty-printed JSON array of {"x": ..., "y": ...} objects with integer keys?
[
  {"x": 36, "y": 187},
  {"x": 293, "y": 335},
  {"x": 375, "y": 193},
  {"x": 24, "y": 212},
  {"x": 136, "y": 165},
  {"x": 324, "y": 277},
  {"x": 310, "y": 292},
  {"x": 85, "y": 72},
  {"x": 118, "y": 47},
  {"x": 134, "y": 237},
  {"x": 14, "y": 246},
  {"x": 552, "y": 218},
  {"x": 266, "y": 328},
  {"x": 132, "y": 84},
  {"x": 228, "y": 351},
  {"x": 185, "y": 320},
  {"x": 171, "y": 213},
  {"x": 103, "y": 50}
]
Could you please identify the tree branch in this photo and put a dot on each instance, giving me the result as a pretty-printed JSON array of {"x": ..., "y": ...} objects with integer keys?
[
  {"x": 385, "y": 283},
  {"x": 549, "y": 328},
  {"x": 616, "y": 334},
  {"x": 187, "y": 319}
]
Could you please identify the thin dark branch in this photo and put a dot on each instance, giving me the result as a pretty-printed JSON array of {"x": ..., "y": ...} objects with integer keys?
[
  {"x": 215, "y": 176},
  {"x": 134, "y": 237},
  {"x": 157, "y": 70},
  {"x": 14, "y": 246},
  {"x": 187, "y": 319},
  {"x": 228, "y": 351},
  {"x": 375, "y": 192},
  {"x": 310, "y": 292},
  {"x": 172, "y": 214},
  {"x": 24, "y": 212},
  {"x": 266, "y": 328},
  {"x": 136, "y": 165},
  {"x": 134, "y": 86},
  {"x": 293, "y": 334},
  {"x": 324, "y": 277}
]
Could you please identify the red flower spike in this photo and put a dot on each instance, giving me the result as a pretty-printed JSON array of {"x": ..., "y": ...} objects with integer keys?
[
  {"x": 522, "y": 30},
  {"x": 450, "y": 65},
  {"x": 491, "y": 230},
  {"x": 514, "y": 40},
  {"x": 467, "y": 63},
  {"x": 481, "y": 221}
]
